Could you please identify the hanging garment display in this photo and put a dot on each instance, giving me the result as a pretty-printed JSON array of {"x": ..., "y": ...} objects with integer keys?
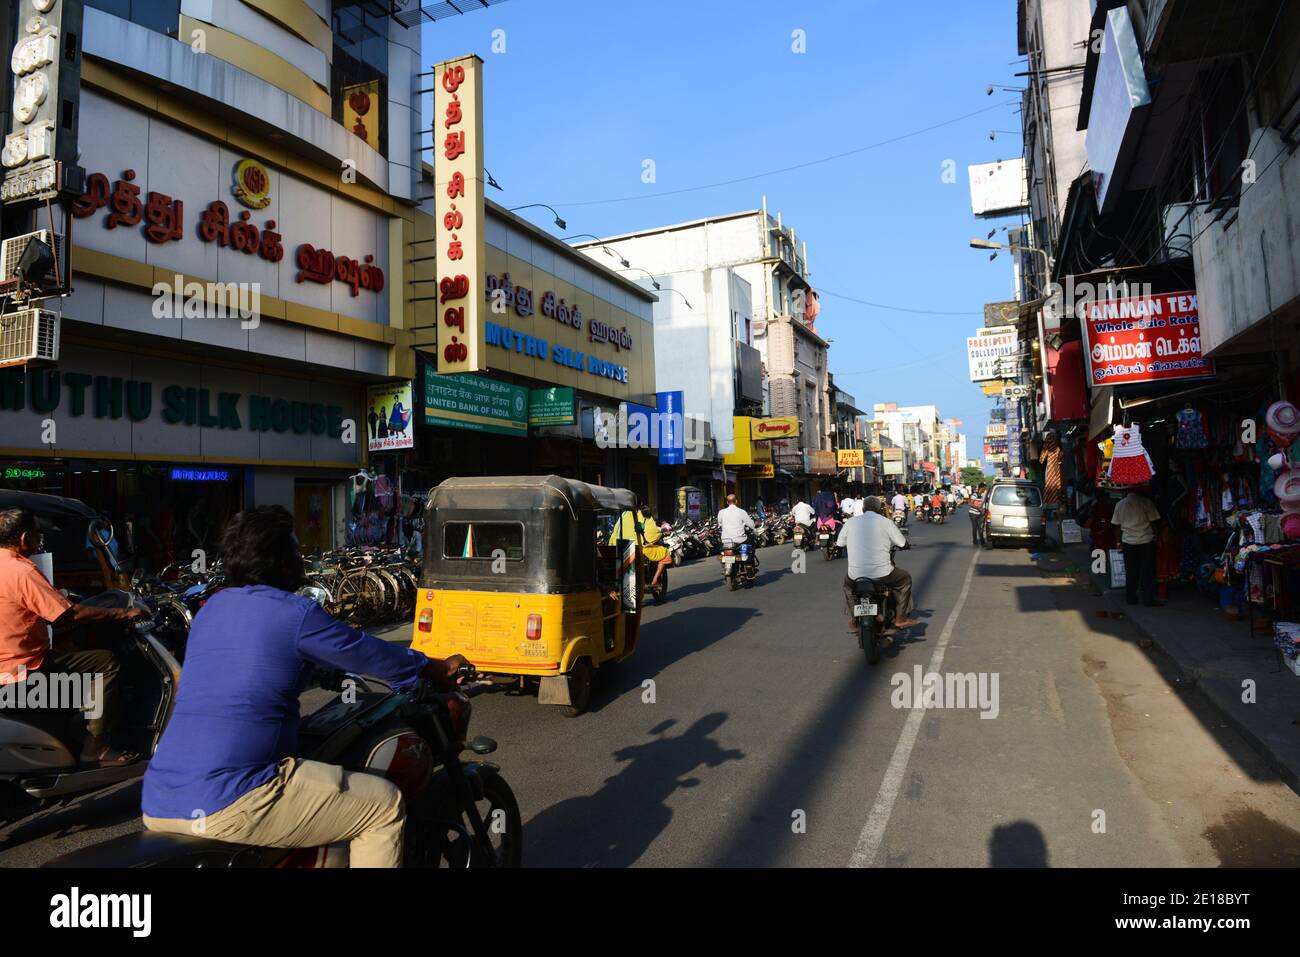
[
  {"x": 1130, "y": 464},
  {"x": 1050, "y": 457},
  {"x": 1283, "y": 423},
  {"x": 1191, "y": 430}
]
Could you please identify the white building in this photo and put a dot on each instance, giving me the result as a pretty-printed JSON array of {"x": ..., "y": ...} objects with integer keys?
[{"x": 731, "y": 329}]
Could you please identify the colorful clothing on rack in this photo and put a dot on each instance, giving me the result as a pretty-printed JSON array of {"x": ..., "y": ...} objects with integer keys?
[{"x": 1191, "y": 430}]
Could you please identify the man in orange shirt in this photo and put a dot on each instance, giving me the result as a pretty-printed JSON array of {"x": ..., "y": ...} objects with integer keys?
[{"x": 27, "y": 604}]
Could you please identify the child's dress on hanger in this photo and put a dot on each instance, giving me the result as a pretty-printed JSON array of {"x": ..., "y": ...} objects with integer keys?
[{"x": 1130, "y": 465}]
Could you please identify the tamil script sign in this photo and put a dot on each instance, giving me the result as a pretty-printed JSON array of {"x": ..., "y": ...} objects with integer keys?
[
  {"x": 984, "y": 351},
  {"x": 850, "y": 458},
  {"x": 1144, "y": 339},
  {"x": 474, "y": 403}
]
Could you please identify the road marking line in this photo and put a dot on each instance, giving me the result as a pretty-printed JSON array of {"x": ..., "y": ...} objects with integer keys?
[{"x": 873, "y": 832}]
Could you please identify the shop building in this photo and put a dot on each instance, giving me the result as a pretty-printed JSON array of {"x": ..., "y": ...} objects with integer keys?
[
  {"x": 239, "y": 269},
  {"x": 735, "y": 327},
  {"x": 569, "y": 367}
]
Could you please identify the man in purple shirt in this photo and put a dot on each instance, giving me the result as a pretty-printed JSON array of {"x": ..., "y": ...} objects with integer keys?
[{"x": 226, "y": 766}]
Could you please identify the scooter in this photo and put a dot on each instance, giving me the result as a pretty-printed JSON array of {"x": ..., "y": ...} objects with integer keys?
[
  {"x": 38, "y": 748},
  {"x": 739, "y": 564},
  {"x": 827, "y": 532},
  {"x": 804, "y": 537},
  {"x": 459, "y": 814}
]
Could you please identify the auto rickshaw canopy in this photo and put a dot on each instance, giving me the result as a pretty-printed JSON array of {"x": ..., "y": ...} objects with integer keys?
[{"x": 523, "y": 533}]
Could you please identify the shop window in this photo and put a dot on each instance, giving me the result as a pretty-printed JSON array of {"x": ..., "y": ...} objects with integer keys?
[
  {"x": 483, "y": 539},
  {"x": 164, "y": 16}
]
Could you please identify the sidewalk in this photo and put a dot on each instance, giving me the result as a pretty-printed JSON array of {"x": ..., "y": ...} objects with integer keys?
[{"x": 1213, "y": 653}]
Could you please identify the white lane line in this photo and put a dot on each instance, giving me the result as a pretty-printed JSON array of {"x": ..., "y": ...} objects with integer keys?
[{"x": 873, "y": 832}]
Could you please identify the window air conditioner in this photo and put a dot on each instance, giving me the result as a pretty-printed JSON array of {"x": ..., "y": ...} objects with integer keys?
[{"x": 27, "y": 335}]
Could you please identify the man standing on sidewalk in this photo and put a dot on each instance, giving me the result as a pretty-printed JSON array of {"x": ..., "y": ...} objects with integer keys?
[
  {"x": 1136, "y": 515},
  {"x": 976, "y": 510}
]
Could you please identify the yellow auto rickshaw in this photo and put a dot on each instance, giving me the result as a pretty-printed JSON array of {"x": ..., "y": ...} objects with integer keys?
[{"x": 529, "y": 578}]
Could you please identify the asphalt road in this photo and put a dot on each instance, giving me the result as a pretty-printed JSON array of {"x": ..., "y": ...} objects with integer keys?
[{"x": 748, "y": 729}]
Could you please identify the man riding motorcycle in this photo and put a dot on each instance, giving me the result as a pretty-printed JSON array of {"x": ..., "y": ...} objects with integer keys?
[
  {"x": 804, "y": 515},
  {"x": 225, "y": 767},
  {"x": 867, "y": 540},
  {"x": 643, "y": 527}
]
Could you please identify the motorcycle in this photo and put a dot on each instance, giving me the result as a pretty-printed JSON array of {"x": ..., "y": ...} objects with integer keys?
[
  {"x": 38, "y": 748},
  {"x": 938, "y": 515},
  {"x": 875, "y": 609},
  {"x": 740, "y": 564},
  {"x": 827, "y": 531},
  {"x": 804, "y": 537},
  {"x": 658, "y": 592},
  {"x": 459, "y": 814}
]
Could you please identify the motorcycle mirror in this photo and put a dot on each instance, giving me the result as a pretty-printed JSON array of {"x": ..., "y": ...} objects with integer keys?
[{"x": 315, "y": 593}]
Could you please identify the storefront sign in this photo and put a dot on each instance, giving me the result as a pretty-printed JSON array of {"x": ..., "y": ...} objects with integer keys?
[
  {"x": 163, "y": 220},
  {"x": 672, "y": 438},
  {"x": 112, "y": 397},
  {"x": 777, "y": 427},
  {"x": 475, "y": 403},
  {"x": 504, "y": 296},
  {"x": 200, "y": 475},
  {"x": 504, "y": 337},
  {"x": 553, "y": 406},
  {"x": 1145, "y": 339},
  {"x": 850, "y": 458},
  {"x": 996, "y": 430},
  {"x": 758, "y": 472},
  {"x": 20, "y": 473},
  {"x": 458, "y": 202},
  {"x": 984, "y": 351},
  {"x": 388, "y": 417},
  {"x": 819, "y": 462},
  {"x": 361, "y": 111}
]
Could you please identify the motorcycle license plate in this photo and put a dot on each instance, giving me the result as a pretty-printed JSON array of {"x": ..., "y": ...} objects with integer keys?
[
  {"x": 865, "y": 610},
  {"x": 728, "y": 559},
  {"x": 823, "y": 537},
  {"x": 1012, "y": 521}
]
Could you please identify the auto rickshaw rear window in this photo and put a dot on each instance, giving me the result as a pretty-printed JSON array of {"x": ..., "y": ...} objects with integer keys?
[{"x": 483, "y": 540}]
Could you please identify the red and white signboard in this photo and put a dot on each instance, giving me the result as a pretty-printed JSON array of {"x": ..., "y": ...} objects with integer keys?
[{"x": 1145, "y": 339}]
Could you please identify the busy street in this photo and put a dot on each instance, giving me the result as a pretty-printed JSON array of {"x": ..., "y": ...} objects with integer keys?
[
  {"x": 508, "y": 436},
  {"x": 748, "y": 730}
]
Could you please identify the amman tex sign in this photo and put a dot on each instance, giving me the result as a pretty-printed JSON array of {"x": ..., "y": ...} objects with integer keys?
[{"x": 1144, "y": 339}]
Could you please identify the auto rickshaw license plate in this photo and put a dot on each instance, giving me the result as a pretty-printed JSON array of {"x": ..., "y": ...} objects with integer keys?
[{"x": 865, "y": 610}]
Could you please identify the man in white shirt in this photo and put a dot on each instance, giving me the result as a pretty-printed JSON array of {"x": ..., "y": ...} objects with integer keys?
[
  {"x": 1135, "y": 514},
  {"x": 803, "y": 513},
  {"x": 867, "y": 540},
  {"x": 899, "y": 503},
  {"x": 849, "y": 506},
  {"x": 734, "y": 522}
]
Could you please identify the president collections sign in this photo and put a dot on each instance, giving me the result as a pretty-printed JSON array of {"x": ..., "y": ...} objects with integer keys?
[{"x": 1146, "y": 339}]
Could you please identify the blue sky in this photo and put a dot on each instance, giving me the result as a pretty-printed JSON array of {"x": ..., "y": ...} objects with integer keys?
[{"x": 712, "y": 91}]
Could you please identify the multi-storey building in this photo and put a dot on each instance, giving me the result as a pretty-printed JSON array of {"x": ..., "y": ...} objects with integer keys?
[{"x": 734, "y": 329}]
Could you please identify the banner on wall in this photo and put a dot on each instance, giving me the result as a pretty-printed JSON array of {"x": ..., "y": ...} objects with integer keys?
[
  {"x": 361, "y": 111},
  {"x": 1144, "y": 339},
  {"x": 389, "y": 411}
]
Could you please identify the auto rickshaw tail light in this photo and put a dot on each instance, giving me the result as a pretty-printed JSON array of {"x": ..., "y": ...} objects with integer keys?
[
  {"x": 534, "y": 627},
  {"x": 426, "y": 620}
]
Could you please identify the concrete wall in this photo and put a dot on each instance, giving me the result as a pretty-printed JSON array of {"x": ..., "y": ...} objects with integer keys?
[{"x": 1248, "y": 266}]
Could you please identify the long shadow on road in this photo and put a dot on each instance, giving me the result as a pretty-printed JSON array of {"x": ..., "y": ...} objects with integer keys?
[
  {"x": 615, "y": 826},
  {"x": 666, "y": 641}
]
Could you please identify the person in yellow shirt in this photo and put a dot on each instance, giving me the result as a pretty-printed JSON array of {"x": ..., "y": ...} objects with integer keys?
[{"x": 644, "y": 527}]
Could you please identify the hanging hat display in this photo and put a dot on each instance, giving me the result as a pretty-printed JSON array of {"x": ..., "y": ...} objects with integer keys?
[{"x": 1283, "y": 423}]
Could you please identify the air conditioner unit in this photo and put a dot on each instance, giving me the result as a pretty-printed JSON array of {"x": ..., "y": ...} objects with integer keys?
[
  {"x": 1177, "y": 230},
  {"x": 12, "y": 251},
  {"x": 27, "y": 335}
]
